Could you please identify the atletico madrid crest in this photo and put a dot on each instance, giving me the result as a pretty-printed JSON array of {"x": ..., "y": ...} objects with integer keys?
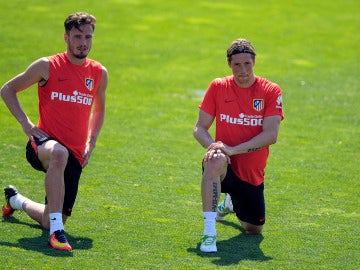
[
  {"x": 89, "y": 83},
  {"x": 258, "y": 104}
]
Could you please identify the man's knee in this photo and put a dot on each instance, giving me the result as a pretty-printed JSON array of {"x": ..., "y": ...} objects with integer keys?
[
  {"x": 60, "y": 155},
  {"x": 251, "y": 229},
  {"x": 58, "y": 158},
  {"x": 216, "y": 166},
  {"x": 254, "y": 231},
  {"x": 53, "y": 154}
]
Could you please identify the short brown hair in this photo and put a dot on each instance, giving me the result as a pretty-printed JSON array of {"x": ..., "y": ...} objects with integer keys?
[
  {"x": 77, "y": 19},
  {"x": 240, "y": 46}
]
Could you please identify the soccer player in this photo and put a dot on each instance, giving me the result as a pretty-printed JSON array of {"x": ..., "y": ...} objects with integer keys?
[
  {"x": 71, "y": 100},
  {"x": 247, "y": 110}
]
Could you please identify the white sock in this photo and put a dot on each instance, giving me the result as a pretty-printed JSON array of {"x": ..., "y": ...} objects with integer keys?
[
  {"x": 16, "y": 201},
  {"x": 209, "y": 223},
  {"x": 56, "y": 222}
]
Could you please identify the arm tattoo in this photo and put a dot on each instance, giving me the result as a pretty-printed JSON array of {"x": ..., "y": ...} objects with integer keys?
[
  {"x": 254, "y": 149},
  {"x": 215, "y": 197}
]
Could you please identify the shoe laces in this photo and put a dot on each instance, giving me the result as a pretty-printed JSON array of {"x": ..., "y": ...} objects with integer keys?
[{"x": 60, "y": 236}]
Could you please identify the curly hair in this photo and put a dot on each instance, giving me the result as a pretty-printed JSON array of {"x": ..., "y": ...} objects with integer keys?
[
  {"x": 77, "y": 19},
  {"x": 240, "y": 46}
]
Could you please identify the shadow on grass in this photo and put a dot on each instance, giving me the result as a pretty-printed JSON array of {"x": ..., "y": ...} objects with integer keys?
[
  {"x": 40, "y": 243},
  {"x": 236, "y": 249}
]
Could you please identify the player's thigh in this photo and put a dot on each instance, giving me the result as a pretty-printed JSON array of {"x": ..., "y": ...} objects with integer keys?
[{"x": 249, "y": 204}]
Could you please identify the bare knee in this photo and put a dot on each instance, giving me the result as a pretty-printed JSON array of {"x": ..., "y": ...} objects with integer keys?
[
  {"x": 251, "y": 229},
  {"x": 215, "y": 166},
  {"x": 59, "y": 157}
]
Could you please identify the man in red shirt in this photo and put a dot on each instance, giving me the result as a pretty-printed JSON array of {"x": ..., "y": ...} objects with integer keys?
[
  {"x": 71, "y": 91},
  {"x": 248, "y": 111}
]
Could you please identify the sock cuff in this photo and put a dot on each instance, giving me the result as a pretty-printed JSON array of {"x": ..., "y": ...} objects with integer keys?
[
  {"x": 209, "y": 215},
  {"x": 16, "y": 201},
  {"x": 56, "y": 222}
]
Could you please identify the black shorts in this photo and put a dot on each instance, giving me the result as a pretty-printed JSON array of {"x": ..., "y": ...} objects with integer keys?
[
  {"x": 71, "y": 175},
  {"x": 248, "y": 200}
]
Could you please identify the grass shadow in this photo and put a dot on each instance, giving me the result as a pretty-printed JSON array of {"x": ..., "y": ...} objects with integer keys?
[
  {"x": 19, "y": 222},
  {"x": 40, "y": 243},
  {"x": 236, "y": 249}
]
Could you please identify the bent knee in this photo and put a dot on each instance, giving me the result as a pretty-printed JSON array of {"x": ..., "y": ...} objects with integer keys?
[
  {"x": 251, "y": 229},
  {"x": 53, "y": 154},
  {"x": 216, "y": 164},
  {"x": 60, "y": 153},
  {"x": 59, "y": 156}
]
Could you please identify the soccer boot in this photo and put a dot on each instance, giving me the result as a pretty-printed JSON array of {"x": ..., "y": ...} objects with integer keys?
[
  {"x": 224, "y": 208},
  {"x": 7, "y": 210},
  {"x": 57, "y": 240},
  {"x": 208, "y": 243}
]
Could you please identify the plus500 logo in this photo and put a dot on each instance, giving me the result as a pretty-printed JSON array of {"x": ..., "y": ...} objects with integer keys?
[
  {"x": 245, "y": 120},
  {"x": 75, "y": 98}
]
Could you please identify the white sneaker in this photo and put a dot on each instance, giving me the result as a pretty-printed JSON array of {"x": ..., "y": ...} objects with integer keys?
[
  {"x": 224, "y": 208},
  {"x": 208, "y": 243}
]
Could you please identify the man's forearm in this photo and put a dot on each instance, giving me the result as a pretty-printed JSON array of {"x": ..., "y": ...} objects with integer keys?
[{"x": 203, "y": 137}]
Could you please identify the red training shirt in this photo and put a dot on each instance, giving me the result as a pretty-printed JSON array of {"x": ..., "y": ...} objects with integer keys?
[
  {"x": 239, "y": 114},
  {"x": 66, "y": 99}
]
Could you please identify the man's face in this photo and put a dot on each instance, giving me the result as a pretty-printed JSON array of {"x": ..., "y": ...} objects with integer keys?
[
  {"x": 242, "y": 65},
  {"x": 79, "y": 42}
]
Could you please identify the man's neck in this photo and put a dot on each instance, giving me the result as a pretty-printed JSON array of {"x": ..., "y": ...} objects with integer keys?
[
  {"x": 246, "y": 84},
  {"x": 74, "y": 60}
]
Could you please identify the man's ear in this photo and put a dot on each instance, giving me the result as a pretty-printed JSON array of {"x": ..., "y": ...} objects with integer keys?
[{"x": 229, "y": 62}]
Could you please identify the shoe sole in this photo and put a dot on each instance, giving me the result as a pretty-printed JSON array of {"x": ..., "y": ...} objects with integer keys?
[
  {"x": 55, "y": 244},
  {"x": 209, "y": 251},
  {"x": 66, "y": 246}
]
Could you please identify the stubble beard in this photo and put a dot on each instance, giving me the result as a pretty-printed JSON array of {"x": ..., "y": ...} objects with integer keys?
[{"x": 80, "y": 56}]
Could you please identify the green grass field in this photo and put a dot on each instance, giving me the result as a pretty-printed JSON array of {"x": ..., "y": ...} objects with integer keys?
[{"x": 139, "y": 199}]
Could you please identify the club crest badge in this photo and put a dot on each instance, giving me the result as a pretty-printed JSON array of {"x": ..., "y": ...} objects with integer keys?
[
  {"x": 89, "y": 83},
  {"x": 258, "y": 104}
]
